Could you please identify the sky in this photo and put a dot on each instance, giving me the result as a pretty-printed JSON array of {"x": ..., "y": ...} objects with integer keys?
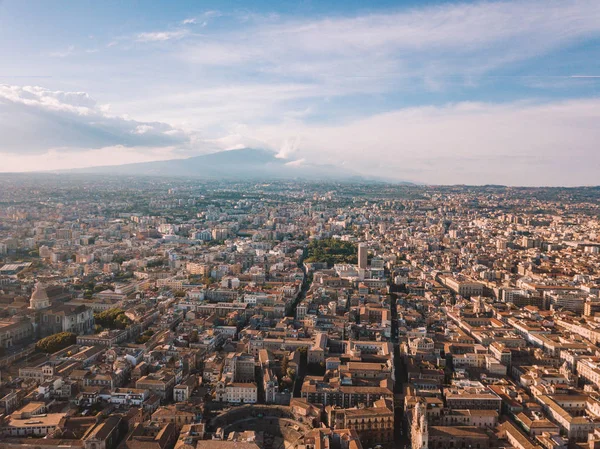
[{"x": 435, "y": 92}]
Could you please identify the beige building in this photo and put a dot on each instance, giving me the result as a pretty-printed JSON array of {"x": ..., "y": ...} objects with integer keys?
[
  {"x": 564, "y": 410},
  {"x": 477, "y": 418},
  {"x": 237, "y": 392},
  {"x": 374, "y": 425},
  {"x": 30, "y": 420},
  {"x": 14, "y": 330},
  {"x": 464, "y": 287},
  {"x": 160, "y": 384}
]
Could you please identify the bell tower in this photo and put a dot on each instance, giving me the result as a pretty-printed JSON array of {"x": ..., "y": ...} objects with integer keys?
[{"x": 419, "y": 432}]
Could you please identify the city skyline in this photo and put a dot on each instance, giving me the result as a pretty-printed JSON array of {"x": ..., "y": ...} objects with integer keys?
[{"x": 435, "y": 93}]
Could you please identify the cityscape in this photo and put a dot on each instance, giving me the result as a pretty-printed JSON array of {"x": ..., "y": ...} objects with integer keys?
[
  {"x": 300, "y": 224},
  {"x": 174, "y": 313}
]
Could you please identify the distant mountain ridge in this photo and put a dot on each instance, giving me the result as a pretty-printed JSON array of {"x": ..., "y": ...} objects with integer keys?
[{"x": 242, "y": 164}]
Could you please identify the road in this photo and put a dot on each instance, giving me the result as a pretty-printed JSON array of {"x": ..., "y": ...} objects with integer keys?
[
  {"x": 306, "y": 281},
  {"x": 401, "y": 439}
]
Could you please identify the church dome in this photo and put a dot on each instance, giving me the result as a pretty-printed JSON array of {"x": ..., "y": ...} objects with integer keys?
[
  {"x": 39, "y": 293},
  {"x": 39, "y": 297}
]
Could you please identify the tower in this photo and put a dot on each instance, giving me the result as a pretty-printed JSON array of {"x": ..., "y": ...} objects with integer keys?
[
  {"x": 478, "y": 304},
  {"x": 39, "y": 298},
  {"x": 362, "y": 256},
  {"x": 419, "y": 432}
]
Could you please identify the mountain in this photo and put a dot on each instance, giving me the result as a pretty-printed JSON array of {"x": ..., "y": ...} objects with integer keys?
[{"x": 246, "y": 163}]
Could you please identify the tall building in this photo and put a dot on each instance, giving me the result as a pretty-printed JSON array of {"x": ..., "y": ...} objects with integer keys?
[
  {"x": 419, "y": 433},
  {"x": 362, "y": 256}
]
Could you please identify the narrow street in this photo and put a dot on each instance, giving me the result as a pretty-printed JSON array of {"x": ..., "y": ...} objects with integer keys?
[
  {"x": 306, "y": 281},
  {"x": 400, "y": 427}
]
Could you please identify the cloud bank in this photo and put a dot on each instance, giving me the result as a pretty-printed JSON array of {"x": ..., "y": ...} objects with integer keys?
[
  {"x": 34, "y": 120},
  {"x": 466, "y": 39},
  {"x": 472, "y": 143},
  {"x": 476, "y": 92}
]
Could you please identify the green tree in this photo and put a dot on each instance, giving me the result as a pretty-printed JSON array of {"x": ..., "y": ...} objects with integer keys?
[
  {"x": 331, "y": 251},
  {"x": 142, "y": 339},
  {"x": 194, "y": 336},
  {"x": 56, "y": 342},
  {"x": 112, "y": 319}
]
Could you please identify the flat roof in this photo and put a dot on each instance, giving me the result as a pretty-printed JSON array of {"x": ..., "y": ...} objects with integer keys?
[{"x": 47, "y": 420}]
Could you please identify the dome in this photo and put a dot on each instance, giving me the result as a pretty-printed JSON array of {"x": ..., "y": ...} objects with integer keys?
[
  {"x": 39, "y": 293},
  {"x": 39, "y": 297}
]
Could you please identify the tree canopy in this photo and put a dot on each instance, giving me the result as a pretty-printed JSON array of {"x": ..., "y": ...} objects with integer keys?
[
  {"x": 331, "y": 251},
  {"x": 56, "y": 342},
  {"x": 112, "y": 319}
]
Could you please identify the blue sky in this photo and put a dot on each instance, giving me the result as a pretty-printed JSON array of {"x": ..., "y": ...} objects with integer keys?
[{"x": 436, "y": 92}]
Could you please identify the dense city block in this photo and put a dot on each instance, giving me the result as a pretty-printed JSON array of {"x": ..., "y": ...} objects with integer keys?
[{"x": 175, "y": 313}]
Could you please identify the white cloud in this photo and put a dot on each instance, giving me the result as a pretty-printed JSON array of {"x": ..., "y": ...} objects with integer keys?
[
  {"x": 431, "y": 48},
  {"x": 296, "y": 163},
  {"x": 263, "y": 81},
  {"x": 226, "y": 104},
  {"x": 471, "y": 143},
  {"x": 520, "y": 143},
  {"x": 162, "y": 36},
  {"x": 63, "y": 53},
  {"x": 34, "y": 120},
  {"x": 202, "y": 19},
  {"x": 143, "y": 129},
  {"x": 289, "y": 148},
  {"x": 432, "y": 42}
]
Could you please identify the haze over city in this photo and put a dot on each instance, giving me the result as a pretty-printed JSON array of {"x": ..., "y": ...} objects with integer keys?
[{"x": 494, "y": 92}]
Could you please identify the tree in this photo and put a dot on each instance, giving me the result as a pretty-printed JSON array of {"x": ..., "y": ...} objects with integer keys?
[
  {"x": 331, "y": 251},
  {"x": 56, "y": 342},
  {"x": 194, "y": 336},
  {"x": 112, "y": 319},
  {"x": 142, "y": 339},
  {"x": 284, "y": 364},
  {"x": 155, "y": 263}
]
